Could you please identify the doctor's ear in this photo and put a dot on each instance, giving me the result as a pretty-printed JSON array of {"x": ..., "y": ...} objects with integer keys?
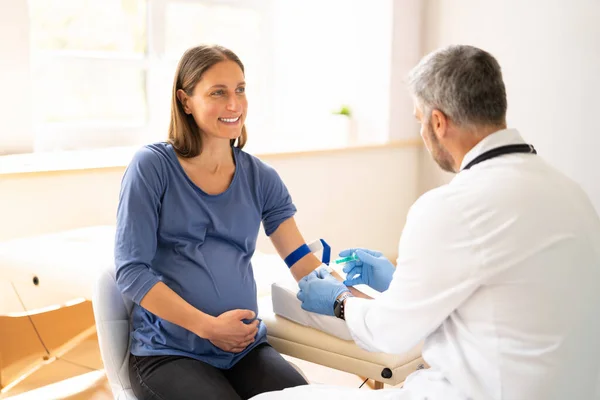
[{"x": 439, "y": 123}]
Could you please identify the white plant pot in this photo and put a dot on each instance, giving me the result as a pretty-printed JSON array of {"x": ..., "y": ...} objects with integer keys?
[{"x": 340, "y": 131}]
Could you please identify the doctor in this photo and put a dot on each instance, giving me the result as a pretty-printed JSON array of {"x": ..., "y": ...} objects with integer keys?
[{"x": 498, "y": 271}]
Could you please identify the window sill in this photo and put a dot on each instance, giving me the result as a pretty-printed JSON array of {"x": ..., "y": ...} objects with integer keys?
[{"x": 120, "y": 157}]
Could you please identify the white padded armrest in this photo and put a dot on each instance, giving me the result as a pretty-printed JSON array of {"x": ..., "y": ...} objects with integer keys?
[
  {"x": 313, "y": 345},
  {"x": 286, "y": 304}
]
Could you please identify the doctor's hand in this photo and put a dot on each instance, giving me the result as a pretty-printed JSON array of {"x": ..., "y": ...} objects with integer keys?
[
  {"x": 229, "y": 332},
  {"x": 319, "y": 290},
  {"x": 371, "y": 269}
]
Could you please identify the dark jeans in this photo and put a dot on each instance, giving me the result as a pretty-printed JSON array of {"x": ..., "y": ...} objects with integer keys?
[{"x": 178, "y": 378}]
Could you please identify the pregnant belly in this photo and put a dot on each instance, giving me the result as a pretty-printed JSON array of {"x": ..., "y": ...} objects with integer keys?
[{"x": 216, "y": 285}]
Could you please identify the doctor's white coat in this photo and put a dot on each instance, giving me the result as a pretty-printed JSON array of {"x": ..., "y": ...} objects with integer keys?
[{"x": 499, "y": 272}]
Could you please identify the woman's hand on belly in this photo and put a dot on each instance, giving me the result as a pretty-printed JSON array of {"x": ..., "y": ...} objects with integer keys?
[{"x": 229, "y": 333}]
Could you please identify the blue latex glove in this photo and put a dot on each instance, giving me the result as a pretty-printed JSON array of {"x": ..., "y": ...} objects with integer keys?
[
  {"x": 372, "y": 269},
  {"x": 318, "y": 291}
]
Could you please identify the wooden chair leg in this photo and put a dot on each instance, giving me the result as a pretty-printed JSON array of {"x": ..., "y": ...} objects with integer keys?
[{"x": 377, "y": 385}]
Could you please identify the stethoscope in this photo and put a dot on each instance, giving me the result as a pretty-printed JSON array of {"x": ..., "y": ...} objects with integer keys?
[{"x": 500, "y": 151}]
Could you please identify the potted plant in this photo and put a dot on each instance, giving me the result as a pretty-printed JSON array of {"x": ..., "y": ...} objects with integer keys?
[{"x": 346, "y": 124}]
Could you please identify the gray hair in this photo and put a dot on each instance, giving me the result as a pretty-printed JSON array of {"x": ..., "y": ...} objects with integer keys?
[{"x": 463, "y": 82}]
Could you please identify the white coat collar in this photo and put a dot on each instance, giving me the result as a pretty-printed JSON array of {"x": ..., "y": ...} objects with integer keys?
[{"x": 496, "y": 139}]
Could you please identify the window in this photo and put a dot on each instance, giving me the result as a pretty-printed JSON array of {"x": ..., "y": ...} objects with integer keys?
[
  {"x": 89, "y": 72},
  {"x": 102, "y": 70}
]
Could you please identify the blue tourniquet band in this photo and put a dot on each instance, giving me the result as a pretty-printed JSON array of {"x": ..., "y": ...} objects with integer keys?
[
  {"x": 297, "y": 254},
  {"x": 303, "y": 250}
]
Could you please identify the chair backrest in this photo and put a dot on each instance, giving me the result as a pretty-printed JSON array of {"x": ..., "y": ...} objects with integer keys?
[{"x": 112, "y": 311}]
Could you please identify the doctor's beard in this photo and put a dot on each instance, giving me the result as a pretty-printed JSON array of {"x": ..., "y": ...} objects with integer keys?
[{"x": 439, "y": 153}]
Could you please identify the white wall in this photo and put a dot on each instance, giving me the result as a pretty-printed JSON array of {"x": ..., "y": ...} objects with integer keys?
[
  {"x": 349, "y": 198},
  {"x": 407, "y": 50},
  {"x": 15, "y": 96},
  {"x": 550, "y": 55},
  {"x": 328, "y": 54}
]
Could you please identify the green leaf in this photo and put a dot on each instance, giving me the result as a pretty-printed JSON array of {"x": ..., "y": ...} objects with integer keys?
[{"x": 344, "y": 110}]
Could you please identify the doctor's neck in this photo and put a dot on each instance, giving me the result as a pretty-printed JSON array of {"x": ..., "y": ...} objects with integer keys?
[{"x": 467, "y": 138}]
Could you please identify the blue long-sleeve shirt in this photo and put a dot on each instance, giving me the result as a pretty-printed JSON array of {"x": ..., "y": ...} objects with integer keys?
[{"x": 199, "y": 245}]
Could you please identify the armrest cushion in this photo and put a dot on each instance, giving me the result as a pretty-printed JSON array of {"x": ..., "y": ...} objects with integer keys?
[
  {"x": 286, "y": 304},
  {"x": 312, "y": 344}
]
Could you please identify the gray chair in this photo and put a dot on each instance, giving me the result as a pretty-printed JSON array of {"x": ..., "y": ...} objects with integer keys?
[{"x": 112, "y": 311}]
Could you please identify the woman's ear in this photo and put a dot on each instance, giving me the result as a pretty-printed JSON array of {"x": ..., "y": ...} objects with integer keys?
[{"x": 184, "y": 100}]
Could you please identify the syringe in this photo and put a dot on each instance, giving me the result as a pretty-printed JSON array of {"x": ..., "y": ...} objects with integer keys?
[
  {"x": 343, "y": 260},
  {"x": 351, "y": 257}
]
